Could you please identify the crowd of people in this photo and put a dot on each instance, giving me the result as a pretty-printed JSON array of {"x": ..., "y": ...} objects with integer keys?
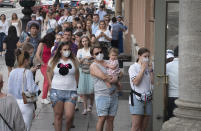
[{"x": 76, "y": 50}]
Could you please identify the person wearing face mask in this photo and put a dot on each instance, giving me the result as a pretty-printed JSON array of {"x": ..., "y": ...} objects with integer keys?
[
  {"x": 43, "y": 55},
  {"x": 15, "y": 83},
  {"x": 63, "y": 77},
  {"x": 140, "y": 100},
  {"x": 106, "y": 102}
]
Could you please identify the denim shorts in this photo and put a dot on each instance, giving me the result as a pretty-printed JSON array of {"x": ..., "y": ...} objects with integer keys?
[
  {"x": 140, "y": 108},
  {"x": 63, "y": 96},
  {"x": 106, "y": 105}
]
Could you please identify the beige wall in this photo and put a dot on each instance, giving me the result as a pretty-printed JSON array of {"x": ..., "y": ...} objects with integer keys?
[{"x": 139, "y": 19}]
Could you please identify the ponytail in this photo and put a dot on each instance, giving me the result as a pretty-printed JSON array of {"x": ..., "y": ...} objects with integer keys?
[{"x": 21, "y": 56}]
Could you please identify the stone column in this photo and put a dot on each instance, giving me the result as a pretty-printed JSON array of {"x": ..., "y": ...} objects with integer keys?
[
  {"x": 188, "y": 113},
  {"x": 118, "y": 7}
]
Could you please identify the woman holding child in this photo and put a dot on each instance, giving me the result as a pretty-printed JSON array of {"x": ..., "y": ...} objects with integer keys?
[{"x": 106, "y": 102}]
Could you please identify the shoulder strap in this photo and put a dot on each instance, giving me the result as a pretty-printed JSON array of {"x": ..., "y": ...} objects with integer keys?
[
  {"x": 110, "y": 27},
  {"x": 49, "y": 23},
  {"x": 6, "y": 122},
  {"x": 24, "y": 78},
  {"x": 42, "y": 48},
  {"x": 67, "y": 18}
]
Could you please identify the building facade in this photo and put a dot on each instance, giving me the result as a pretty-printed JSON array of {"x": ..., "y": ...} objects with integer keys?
[{"x": 139, "y": 18}]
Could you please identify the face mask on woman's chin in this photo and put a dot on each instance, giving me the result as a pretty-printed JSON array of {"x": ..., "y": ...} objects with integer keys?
[
  {"x": 99, "y": 57},
  {"x": 66, "y": 53}
]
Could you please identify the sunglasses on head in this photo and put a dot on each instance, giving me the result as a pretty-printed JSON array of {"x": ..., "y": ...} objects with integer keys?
[{"x": 98, "y": 53}]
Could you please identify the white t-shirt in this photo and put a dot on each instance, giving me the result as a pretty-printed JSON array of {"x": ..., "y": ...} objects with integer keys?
[
  {"x": 65, "y": 18},
  {"x": 145, "y": 85},
  {"x": 82, "y": 53},
  {"x": 52, "y": 23},
  {"x": 172, "y": 70},
  {"x": 4, "y": 27},
  {"x": 39, "y": 18},
  {"x": 64, "y": 82},
  {"x": 107, "y": 32}
]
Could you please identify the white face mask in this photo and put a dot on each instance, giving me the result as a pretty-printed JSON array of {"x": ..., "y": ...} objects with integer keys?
[
  {"x": 66, "y": 53},
  {"x": 99, "y": 57},
  {"x": 145, "y": 59}
]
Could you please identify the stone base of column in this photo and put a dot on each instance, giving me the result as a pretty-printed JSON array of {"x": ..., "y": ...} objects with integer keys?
[
  {"x": 181, "y": 124},
  {"x": 188, "y": 117}
]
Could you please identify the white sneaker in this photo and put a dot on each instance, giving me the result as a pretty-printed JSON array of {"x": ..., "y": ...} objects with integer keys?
[
  {"x": 45, "y": 101},
  {"x": 80, "y": 99},
  {"x": 84, "y": 112},
  {"x": 89, "y": 109}
]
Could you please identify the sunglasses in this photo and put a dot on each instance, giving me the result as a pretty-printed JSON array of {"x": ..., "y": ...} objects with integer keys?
[{"x": 98, "y": 53}]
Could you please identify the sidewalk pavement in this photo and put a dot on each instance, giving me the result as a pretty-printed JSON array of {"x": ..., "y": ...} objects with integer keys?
[
  {"x": 44, "y": 119},
  {"x": 44, "y": 113}
]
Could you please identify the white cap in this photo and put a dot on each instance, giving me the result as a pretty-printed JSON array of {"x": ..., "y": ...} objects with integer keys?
[{"x": 169, "y": 54}]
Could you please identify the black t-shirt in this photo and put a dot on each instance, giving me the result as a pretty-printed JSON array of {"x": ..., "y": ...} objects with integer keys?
[{"x": 11, "y": 43}]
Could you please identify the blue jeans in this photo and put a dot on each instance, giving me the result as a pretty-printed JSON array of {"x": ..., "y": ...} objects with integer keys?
[
  {"x": 106, "y": 105},
  {"x": 140, "y": 108},
  {"x": 63, "y": 96}
]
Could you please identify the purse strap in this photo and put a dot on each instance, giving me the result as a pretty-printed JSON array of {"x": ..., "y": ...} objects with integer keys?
[
  {"x": 6, "y": 122},
  {"x": 24, "y": 78},
  {"x": 49, "y": 23}
]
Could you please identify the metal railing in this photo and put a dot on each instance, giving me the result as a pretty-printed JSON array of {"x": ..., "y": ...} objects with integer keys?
[{"x": 134, "y": 48}]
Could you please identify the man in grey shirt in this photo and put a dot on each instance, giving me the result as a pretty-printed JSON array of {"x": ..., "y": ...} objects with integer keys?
[
  {"x": 116, "y": 28},
  {"x": 10, "y": 114}
]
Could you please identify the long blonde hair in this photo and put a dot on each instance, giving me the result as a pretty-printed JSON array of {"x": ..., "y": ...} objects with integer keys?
[{"x": 81, "y": 45}]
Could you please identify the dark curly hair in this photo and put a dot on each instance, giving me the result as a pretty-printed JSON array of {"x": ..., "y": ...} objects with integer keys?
[{"x": 48, "y": 39}]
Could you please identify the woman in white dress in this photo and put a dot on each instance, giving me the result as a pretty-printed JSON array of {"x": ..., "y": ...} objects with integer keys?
[
  {"x": 15, "y": 21},
  {"x": 85, "y": 86}
]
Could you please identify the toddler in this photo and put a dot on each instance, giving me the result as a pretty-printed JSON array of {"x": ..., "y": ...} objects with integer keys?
[{"x": 113, "y": 69}]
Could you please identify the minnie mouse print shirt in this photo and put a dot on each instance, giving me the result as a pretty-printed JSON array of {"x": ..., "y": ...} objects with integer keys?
[{"x": 64, "y": 76}]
